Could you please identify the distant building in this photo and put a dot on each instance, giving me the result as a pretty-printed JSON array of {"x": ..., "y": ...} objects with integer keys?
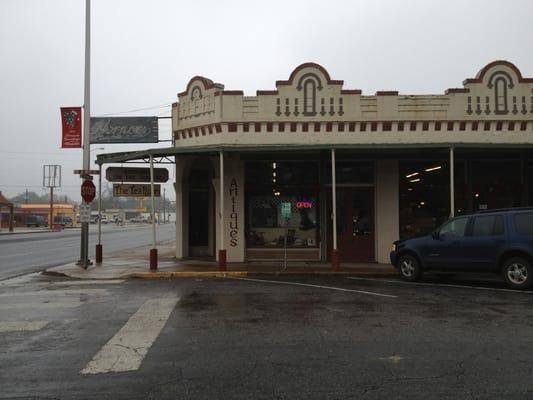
[{"x": 66, "y": 210}]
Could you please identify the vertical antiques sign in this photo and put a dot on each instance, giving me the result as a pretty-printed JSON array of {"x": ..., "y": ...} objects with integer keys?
[
  {"x": 71, "y": 124},
  {"x": 233, "y": 216}
]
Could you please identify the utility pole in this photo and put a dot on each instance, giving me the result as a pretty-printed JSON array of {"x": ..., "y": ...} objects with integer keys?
[
  {"x": 84, "y": 261},
  {"x": 26, "y": 199},
  {"x": 51, "y": 179}
]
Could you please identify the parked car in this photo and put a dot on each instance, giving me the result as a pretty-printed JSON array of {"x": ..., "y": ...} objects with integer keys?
[
  {"x": 495, "y": 241},
  {"x": 138, "y": 218},
  {"x": 104, "y": 219},
  {"x": 63, "y": 220},
  {"x": 36, "y": 220}
]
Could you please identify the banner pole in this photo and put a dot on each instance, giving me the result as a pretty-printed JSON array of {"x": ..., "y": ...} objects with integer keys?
[{"x": 84, "y": 246}]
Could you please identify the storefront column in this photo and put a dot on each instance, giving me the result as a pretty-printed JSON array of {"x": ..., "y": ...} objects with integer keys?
[
  {"x": 387, "y": 208},
  {"x": 182, "y": 208},
  {"x": 452, "y": 184},
  {"x": 335, "y": 261},
  {"x": 153, "y": 250},
  {"x": 222, "y": 249}
]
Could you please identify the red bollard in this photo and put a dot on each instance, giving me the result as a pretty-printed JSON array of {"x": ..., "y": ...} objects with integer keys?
[
  {"x": 335, "y": 261},
  {"x": 153, "y": 259},
  {"x": 222, "y": 260},
  {"x": 99, "y": 254}
]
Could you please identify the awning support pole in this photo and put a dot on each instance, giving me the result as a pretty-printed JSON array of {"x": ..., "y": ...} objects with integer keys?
[
  {"x": 153, "y": 250},
  {"x": 335, "y": 261},
  {"x": 99, "y": 249},
  {"x": 222, "y": 250},
  {"x": 452, "y": 184}
]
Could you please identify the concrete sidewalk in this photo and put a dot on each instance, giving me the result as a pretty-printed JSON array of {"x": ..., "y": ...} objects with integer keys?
[{"x": 135, "y": 264}]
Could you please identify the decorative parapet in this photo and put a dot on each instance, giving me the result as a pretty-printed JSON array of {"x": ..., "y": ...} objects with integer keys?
[{"x": 311, "y": 102}]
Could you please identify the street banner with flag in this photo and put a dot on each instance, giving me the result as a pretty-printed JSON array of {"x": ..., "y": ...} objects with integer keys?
[{"x": 71, "y": 122}]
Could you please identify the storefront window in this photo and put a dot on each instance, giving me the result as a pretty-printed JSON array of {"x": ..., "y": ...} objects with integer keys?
[
  {"x": 424, "y": 197},
  {"x": 268, "y": 224},
  {"x": 351, "y": 172},
  {"x": 282, "y": 204},
  {"x": 496, "y": 184}
]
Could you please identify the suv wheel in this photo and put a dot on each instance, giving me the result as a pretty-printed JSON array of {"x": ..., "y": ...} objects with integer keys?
[
  {"x": 518, "y": 273},
  {"x": 409, "y": 268}
]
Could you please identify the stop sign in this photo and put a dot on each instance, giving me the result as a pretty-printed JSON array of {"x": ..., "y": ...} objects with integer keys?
[{"x": 88, "y": 191}]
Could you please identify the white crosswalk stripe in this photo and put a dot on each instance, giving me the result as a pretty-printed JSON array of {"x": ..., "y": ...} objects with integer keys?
[
  {"x": 126, "y": 350},
  {"x": 17, "y": 326}
]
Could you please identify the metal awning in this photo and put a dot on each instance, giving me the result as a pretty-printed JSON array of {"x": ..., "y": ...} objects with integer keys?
[{"x": 165, "y": 152}]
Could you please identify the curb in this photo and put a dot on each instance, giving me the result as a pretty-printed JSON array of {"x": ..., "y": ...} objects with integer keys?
[
  {"x": 157, "y": 275},
  {"x": 185, "y": 274},
  {"x": 228, "y": 274}
]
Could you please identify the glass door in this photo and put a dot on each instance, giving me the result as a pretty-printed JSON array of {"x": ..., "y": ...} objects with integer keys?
[{"x": 355, "y": 224}]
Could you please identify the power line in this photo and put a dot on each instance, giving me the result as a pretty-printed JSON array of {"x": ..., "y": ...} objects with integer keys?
[{"x": 138, "y": 109}]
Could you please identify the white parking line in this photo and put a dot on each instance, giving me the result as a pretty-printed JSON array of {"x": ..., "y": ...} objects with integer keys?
[
  {"x": 440, "y": 284},
  {"x": 314, "y": 286},
  {"x": 18, "y": 326},
  {"x": 126, "y": 350},
  {"x": 89, "y": 282}
]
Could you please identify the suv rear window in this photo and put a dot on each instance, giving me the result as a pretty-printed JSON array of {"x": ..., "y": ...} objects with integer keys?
[
  {"x": 523, "y": 223},
  {"x": 487, "y": 225}
]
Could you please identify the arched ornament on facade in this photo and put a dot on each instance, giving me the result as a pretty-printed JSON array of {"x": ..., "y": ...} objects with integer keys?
[
  {"x": 309, "y": 79},
  {"x": 196, "y": 100},
  {"x": 500, "y": 77}
]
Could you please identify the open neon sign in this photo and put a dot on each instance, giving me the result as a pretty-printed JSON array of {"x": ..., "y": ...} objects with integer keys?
[{"x": 304, "y": 204}]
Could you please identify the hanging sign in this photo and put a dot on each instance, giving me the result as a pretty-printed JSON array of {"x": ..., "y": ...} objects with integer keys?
[
  {"x": 124, "y": 130},
  {"x": 135, "y": 174},
  {"x": 135, "y": 190},
  {"x": 71, "y": 124}
]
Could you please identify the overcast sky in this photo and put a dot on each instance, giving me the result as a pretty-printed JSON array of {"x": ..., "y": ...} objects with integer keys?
[{"x": 145, "y": 52}]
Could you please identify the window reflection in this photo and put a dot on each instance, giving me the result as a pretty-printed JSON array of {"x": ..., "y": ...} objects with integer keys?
[
  {"x": 282, "y": 204},
  {"x": 424, "y": 197}
]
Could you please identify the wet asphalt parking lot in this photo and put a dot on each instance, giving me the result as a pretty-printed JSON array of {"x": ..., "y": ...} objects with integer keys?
[{"x": 265, "y": 337}]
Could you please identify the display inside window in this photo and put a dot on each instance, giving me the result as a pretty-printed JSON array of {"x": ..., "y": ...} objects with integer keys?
[
  {"x": 276, "y": 218},
  {"x": 424, "y": 197}
]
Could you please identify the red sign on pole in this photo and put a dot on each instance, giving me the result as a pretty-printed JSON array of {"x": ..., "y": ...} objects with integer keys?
[
  {"x": 88, "y": 191},
  {"x": 71, "y": 122}
]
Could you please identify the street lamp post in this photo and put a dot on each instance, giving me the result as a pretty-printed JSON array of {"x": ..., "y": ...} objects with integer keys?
[{"x": 84, "y": 261}]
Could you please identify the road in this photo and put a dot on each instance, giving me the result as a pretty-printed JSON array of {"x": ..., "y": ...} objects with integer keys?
[
  {"x": 276, "y": 338},
  {"x": 30, "y": 252}
]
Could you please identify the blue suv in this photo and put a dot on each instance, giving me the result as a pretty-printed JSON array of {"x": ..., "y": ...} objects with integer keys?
[{"x": 497, "y": 241}]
